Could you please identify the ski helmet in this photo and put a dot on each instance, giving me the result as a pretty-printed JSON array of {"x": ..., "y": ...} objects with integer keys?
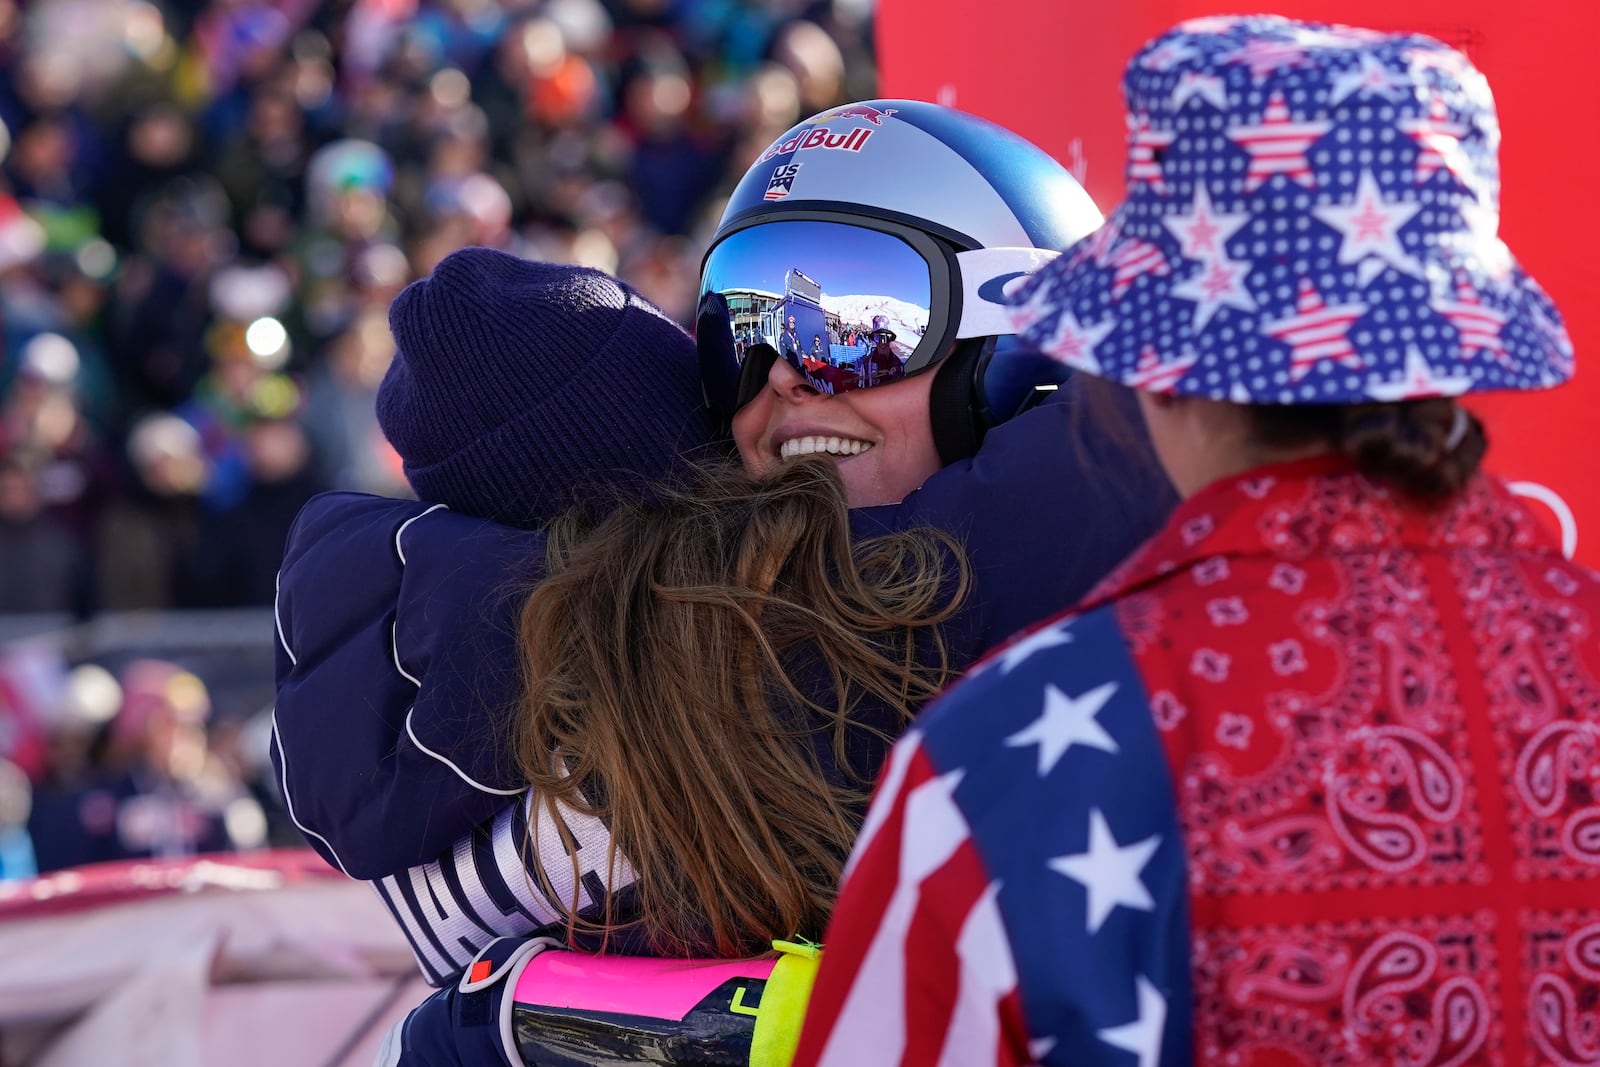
[{"x": 914, "y": 217}]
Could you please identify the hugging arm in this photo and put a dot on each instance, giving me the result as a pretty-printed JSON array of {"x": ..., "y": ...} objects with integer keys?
[{"x": 380, "y": 772}]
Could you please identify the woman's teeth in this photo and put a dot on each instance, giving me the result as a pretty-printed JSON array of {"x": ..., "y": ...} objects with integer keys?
[{"x": 833, "y": 446}]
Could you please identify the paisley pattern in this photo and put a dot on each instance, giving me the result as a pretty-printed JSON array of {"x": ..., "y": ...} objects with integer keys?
[
  {"x": 1347, "y": 993},
  {"x": 1384, "y": 727},
  {"x": 1564, "y": 991}
]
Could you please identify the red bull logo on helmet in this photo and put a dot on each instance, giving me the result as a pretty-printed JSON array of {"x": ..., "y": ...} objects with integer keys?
[
  {"x": 865, "y": 112},
  {"x": 853, "y": 141}
]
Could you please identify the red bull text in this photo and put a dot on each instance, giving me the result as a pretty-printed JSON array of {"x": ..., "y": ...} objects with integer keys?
[{"x": 800, "y": 142}]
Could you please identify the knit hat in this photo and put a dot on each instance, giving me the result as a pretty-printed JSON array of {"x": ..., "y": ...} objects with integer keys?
[
  {"x": 517, "y": 385},
  {"x": 1312, "y": 217}
]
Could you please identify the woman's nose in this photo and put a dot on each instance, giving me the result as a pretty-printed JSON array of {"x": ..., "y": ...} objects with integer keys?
[{"x": 789, "y": 383}]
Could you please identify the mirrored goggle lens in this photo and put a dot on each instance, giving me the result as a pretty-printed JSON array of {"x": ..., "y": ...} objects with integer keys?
[{"x": 845, "y": 306}]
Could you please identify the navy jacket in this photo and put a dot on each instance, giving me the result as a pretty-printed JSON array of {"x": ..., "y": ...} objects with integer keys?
[{"x": 396, "y": 659}]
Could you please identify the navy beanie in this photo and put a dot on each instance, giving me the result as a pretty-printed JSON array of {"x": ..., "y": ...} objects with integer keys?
[{"x": 517, "y": 386}]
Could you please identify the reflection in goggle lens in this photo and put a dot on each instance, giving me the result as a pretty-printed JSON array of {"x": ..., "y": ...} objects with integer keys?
[{"x": 819, "y": 295}]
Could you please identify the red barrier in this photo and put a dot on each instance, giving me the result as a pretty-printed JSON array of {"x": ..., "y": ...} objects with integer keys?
[
  {"x": 1052, "y": 72},
  {"x": 99, "y": 884}
]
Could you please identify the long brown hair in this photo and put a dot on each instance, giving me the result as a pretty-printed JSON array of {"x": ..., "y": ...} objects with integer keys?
[{"x": 660, "y": 696}]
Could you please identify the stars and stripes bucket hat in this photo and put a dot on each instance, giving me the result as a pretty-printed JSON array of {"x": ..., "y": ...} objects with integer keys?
[{"x": 1311, "y": 218}]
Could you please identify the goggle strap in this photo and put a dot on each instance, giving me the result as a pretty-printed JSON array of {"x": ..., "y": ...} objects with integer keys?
[{"x": 988, "y": 275}]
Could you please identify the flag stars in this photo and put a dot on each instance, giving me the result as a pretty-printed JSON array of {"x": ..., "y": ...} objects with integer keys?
[
  {"x": 1109, "y": 872},
  {"x": 1369, "y": 226},
  {"x": 1142, "y": 1036},
  {"x": 1419, "y": 380},
  {"x": 1204, "y": 231},
  {"x": 1220, "y": 283},
  {"x": 1064, "y": 722},
  {"x": 1371, "y": 77},
  {"x": 1132, "y": 260},
  {"x": 1207, "y": 87},
  {"x": 1263, "y": 57},
  {"x": 1316, "y": 332},
  {"x": 1039, "y": 305},
  {"x": 1477, "y": 324},
  {"x": 1144, "y": 144},
  {"x": 1439, "y": 142},
  {"x": 1155, "y": 375},
  {"x": 1073, "y": 343},
  {"x": 1278, "y": 145},
  {"x": 1025, "y": 647},
  {"x": 1167, "y": 55}
]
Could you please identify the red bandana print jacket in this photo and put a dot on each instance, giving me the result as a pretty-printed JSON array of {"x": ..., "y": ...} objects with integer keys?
[{"x": 1384, "y": 731}]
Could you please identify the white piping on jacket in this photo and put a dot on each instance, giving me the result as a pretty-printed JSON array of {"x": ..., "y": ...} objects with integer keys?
[
  {"x": 394, "y": 644},
  {"x": 288, "y": 801},
  {"x": 277, "y": 620}
]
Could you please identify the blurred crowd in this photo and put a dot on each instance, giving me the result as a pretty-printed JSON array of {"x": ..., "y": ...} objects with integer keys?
[
  {"x": 206, "y": 207},
  {"x": 126, "y": 762}
]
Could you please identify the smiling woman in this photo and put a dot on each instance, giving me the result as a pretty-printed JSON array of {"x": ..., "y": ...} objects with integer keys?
[
  {"x": 881, "y": 438},
  {"x": 711, "y": 676},
  {"x": 916, "y": 227}
]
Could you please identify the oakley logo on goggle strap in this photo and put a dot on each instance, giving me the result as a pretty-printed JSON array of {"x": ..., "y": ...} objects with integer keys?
[
  {"x": 995, "y": 289},
  {"x": 988, "y": 277}
]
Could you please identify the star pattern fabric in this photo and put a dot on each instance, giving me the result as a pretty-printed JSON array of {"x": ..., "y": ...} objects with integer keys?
[
  {"x": 1370, "y": 226},
  {"x": 1073, "y": 343},
  {"x": 1155, "y": 375},
  {"x": 1316, "y": 332},
  {"x": 1376, "y": 722},
  {"x": 1271, "y": 160},
  {"x": 1025, "y": 645},
  {"x": 1143, "y": 144},
  {"x": 1204, "y": 231},
  {"x": 1084, "y": 913},
  {"x": 1277, "y": 145},
  {"x": 1109, "y": 872},
  {"x": 1371, "y": 78},
  {"x": 1207, "y": 87},
  {"x": 1064, "y": 722},
  {"x": 1133, "y": 259},
  {"x": 1478, "y": 325},
  {"x": 1438, "y": 141},
  {"x": 1219, "y": 283}
]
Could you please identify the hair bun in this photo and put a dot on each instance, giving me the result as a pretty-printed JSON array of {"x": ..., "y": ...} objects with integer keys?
[{"x": 1428, "y": 449}]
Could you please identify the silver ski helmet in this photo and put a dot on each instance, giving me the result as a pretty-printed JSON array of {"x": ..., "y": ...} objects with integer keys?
[{"x": 917, "y": 214}]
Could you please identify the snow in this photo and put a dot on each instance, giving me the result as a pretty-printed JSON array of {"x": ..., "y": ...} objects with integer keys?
[{"x": 907, "y": 320}]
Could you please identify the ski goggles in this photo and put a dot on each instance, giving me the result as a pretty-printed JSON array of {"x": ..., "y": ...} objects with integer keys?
[{"x": 848, "y": 302}]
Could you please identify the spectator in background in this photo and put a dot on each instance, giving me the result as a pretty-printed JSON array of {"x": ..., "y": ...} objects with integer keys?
[
  {"x": 158, "y": 144},
  {"x": 41, "y": 419},
  {"x": 350, "y": 147},
  {"x": 149, "y": 536},
  {"x": 235, "y": 560},
  {"x": 1302, "y": 781},
  {"x": 44, "y": 563},
  {"x": 163, "y": 794},
  {"x": 16, "y": 846},
  {"x": 340, "y": 412},
  {"x": 160, "y": 311}
]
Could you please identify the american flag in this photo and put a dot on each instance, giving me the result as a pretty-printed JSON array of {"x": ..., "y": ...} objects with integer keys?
[
  {"x": 781, "y": 184},
  {"x": 1018, "y": 892}
]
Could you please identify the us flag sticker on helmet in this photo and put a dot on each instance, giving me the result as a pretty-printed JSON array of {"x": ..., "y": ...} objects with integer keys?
[{"x": 781, "y": 184}]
